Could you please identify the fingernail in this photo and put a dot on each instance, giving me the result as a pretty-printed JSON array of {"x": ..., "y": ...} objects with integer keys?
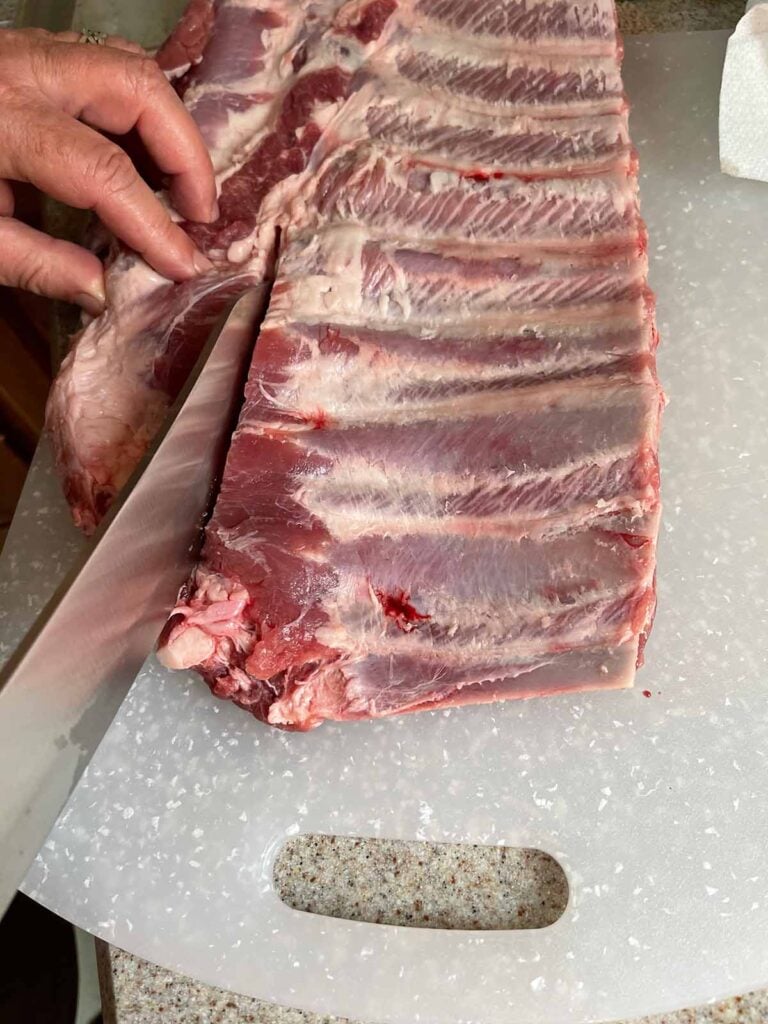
[
  {"x": 92, "y": 302},
  {"x": 214, "y": 211},
  {"x": 201, "y": 263}
]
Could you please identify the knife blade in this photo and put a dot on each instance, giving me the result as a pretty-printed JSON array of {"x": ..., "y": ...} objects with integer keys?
[{"x": 65, "y": 681}]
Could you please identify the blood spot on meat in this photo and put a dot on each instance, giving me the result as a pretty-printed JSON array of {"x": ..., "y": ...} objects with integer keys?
[
  {"x": 318, "y": 420},
  {"x": 397, "y": 606},
  {"x": 483, "y": 176}
]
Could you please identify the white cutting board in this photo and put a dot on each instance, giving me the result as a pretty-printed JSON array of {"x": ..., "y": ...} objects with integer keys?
[{"x": 657, "y": 808}]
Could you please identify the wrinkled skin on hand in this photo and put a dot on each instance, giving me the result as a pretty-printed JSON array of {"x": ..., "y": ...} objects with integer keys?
[{"x": 56, "y": 96}]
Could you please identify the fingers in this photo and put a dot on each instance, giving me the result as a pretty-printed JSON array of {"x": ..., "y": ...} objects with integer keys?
[
  {"x": 37, "y": 263},
  {"x": 118, "y": 89},
  {"x": 76, "y": 165},
  {"x": 48, "y": 85}
]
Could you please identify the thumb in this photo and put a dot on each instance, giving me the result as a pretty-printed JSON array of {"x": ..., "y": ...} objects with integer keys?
[{"x": 38, "y": 263}]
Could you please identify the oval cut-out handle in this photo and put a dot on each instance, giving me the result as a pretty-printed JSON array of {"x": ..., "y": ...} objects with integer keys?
[{"x": 421, "y": 885}]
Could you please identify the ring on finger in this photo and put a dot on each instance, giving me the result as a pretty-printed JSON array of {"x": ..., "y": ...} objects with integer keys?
[{"x": 89, "y": 35}]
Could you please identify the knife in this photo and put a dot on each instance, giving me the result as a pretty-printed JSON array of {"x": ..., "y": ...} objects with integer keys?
[{"x": 66, "y": 680}]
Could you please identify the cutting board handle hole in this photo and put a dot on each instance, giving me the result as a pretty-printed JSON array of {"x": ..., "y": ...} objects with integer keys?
[{"x": 421, "y": 885}]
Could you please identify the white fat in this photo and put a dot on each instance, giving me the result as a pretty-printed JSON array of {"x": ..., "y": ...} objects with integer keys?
[
  {"x": 424, "y": 494},
  {"x": 366, "y": 389},
  {"x": 357, "y": 474},
  {"x": 333, "y": 291},
  {"x": 323, "y": 115},
  {"x": 354, "y": 525},
  {"x": 357, "y": 626},
  {"x": 375, "y": 383},
  {"x": 189, "y": 646},
  {"x": 336, "y": 290},
  {"x": 240, "y": 250},
  {"x": 412, "y": 105},
  {"x": 441, "y": 180}
]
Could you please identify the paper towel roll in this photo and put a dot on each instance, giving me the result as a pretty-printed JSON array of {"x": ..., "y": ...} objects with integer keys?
[{"x": 744, "y": 97}]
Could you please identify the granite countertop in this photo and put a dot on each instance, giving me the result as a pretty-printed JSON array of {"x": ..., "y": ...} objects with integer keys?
[
  {"x": 475, "y": 887},
  {"x": 398, "y": 882},
  {"x": 394, "y": 883}
]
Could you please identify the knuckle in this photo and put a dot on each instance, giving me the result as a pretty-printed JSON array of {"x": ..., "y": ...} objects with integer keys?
[
  {"x": 34, "y": 274},
  {"x": 144, "y": 75},
  {"x": 171, "y": 232},
  {"x": 42, "y": 148},
  {"x": 111, "y": 171},
  {"x": 48, "y": 61},
  {"x": 20, "y": 53}
]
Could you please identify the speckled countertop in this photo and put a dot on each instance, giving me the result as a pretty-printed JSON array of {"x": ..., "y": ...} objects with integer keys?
[
  {"x": 465, "y": 887},
  {"x": 404, "y": 883}
]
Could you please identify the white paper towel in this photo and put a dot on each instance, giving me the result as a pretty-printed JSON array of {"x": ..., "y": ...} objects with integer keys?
[{"x": 744, "y": 97}]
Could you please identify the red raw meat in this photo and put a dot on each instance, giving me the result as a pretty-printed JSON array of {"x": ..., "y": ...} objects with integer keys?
[
  {"x": 187, "y": 43},
  {"x": 229, "y": 61},
  {"x": 443, "y": 488}
]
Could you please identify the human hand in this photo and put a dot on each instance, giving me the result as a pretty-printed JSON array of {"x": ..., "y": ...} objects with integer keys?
[{"x": 54, "y": 93}]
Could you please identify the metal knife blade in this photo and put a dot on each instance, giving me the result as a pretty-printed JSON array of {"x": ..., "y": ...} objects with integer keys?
[{"x": 66, "y": 680}]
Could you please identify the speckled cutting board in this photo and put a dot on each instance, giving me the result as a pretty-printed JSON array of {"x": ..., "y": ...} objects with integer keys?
[{"x": 656, "y": 807}]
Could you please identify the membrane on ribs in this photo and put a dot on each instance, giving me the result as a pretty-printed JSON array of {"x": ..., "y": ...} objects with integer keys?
[{"x": 443, "y": 487}]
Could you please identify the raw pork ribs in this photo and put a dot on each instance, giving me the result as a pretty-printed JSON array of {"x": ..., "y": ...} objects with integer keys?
[{"x": 443, "y": 488}]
